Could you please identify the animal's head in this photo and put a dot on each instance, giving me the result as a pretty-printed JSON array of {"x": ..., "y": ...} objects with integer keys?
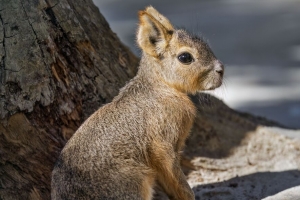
[{"x": 186, "y": 61}]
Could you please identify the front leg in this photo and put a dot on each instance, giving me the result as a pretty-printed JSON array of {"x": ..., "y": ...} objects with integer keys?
[{"x": 170, "y": 177}]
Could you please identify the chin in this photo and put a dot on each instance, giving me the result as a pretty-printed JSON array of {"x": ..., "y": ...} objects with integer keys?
[
  {"x": 219, "y": 84},
  {"x": 213, "y": 86}
]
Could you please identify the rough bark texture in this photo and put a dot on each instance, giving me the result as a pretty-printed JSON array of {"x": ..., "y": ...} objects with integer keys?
[{"x": 59, "y": 62}]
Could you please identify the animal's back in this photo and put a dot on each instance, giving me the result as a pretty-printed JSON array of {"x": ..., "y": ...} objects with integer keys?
[
  {"x": 94, "y": 158},
  {"x": 110, "y": 150}
]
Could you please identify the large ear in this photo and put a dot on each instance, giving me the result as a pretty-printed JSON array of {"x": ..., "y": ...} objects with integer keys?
[{"x": 154, "y": 32}]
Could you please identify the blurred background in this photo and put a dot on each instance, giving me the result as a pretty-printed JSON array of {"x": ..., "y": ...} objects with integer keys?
[{"x": 257, "y": 40}]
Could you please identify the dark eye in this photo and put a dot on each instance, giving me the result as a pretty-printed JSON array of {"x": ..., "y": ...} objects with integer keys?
[{"x": 185, "y": 58}]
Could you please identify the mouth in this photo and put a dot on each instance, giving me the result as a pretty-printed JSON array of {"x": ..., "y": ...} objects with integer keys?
[
  {"x": 220, "y": 82},
  {"x": 215, "y": 83},
  {"x": 210, "y": 88}
]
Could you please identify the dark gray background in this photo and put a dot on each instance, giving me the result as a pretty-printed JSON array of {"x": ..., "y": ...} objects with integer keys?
[{"x": 258, "y": 40}]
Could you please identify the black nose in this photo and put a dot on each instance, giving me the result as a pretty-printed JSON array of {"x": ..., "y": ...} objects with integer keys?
[
  {"x": 220, "y": 71},
  {"x": 219, "y": 68}
]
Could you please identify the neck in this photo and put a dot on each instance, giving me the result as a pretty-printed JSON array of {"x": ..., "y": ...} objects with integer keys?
[
  {"x": 150, "y": 80},
  {"x": 150, "y": 69},
  {"x": 147, "y": 79}
]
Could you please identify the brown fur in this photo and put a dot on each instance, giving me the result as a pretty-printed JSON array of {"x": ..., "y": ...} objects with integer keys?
[{"x": 134, "y": 142}]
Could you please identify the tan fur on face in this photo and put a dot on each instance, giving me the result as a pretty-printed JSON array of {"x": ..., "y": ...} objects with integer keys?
[
  {"x": 196, "y": 76},
  {"x": 133, "y": 143}
]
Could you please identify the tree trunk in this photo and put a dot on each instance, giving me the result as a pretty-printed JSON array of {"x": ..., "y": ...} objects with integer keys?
[{"x": 59, "y": 63}]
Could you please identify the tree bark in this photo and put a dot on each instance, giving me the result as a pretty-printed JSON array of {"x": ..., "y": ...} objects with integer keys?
[{"x": 59, "y": 63}]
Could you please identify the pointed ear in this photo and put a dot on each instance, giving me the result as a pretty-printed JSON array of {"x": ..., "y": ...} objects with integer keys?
[
  {"x": 159, "y": 17},
  {"x": 154, "y": 32}
]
